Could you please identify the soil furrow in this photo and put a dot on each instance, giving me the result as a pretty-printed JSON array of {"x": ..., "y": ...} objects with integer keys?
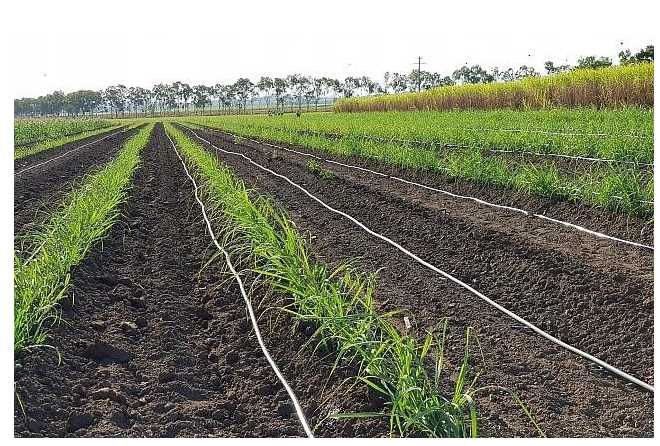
[
  {"x": 45, "y": 155},
  {"x": 38, "y": 191},
  {"x": 610, "y": 317},
  {"x": 157, "y": 345},
  {"x": 615, "y": 224}
]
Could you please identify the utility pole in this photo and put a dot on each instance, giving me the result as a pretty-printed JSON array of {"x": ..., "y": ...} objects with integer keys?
[{"x": 419, "y": 73}]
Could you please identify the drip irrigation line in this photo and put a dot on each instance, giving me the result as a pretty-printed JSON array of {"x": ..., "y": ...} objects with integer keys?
[
  {"x": 464, "y": 197},
  {"x": 434, "y": 268},
  {"x": 465, "y": 146},
  {"x": 39, "y": 141},
  {"x": 20, "y": 172},
  {"x": 253, "y": 319}
]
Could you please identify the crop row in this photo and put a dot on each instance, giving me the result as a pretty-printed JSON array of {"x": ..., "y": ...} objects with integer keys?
[
  {"x": 41, "y": 279},
  {"x": 624, "y": 190},
  {"x": 31, "y": 131},
  {"x": 33, "y": 149},
  {"x": 339, "y": 303},
  {"x": 613, "y": 134}
]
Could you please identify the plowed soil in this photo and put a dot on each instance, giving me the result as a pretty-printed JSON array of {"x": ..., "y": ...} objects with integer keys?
[
  {"x": 156, "y": 342},
  {"x": 156, "y": 345},
  {"x": 38, "y": 190},
  {"x": 591, "y": 293}
]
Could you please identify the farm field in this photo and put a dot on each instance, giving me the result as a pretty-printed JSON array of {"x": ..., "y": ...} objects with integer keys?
[
  {"x": 596, "y": 158},
  {"x": 499, "y": 294}
]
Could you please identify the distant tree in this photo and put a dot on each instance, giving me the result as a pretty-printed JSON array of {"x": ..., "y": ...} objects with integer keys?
[
  {"x": 593, "y": 62},
  {"x": 472, "y": 75},
  {"x": 172, "y": 97},
  {"x": 643, "y": 55},
  {"x": 525, "y": 71},
  {"x": 397, "y": 82},
  {"x": 244, "y": 89},
  {"x": 160, "y": 95},
  {"x": 551, "y": 68},
  {"x": 334, "y": 86},
  {"x": 201, "y": 96},
  {"x": 265, "y": 86},
  {"x": 115, "y": 97},
  {"x": 137, "y": 97},
  {"x": 349, "y": 86},
  {"x": 427, "y": 80},
  {"x": 298, "y": 86},
  {"x": 280, "y": 85}
]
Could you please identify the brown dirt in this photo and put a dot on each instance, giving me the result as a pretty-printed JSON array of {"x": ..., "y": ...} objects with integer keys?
[
  {"x": 155, "y": 345},
  {"x": 552, "y": 278},
  {"x": 612, "y": 223},
  {"x": 38, "y": 191}
]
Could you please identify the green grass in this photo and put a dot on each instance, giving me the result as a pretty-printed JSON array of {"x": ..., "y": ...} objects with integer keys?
[
  {"x": 340, "y": 304},
  {"x": 625, "y": 134},
  {"x": 316, "y": 168},
  {"x": 612, "y": 87},
  {"x": 42, "y": 279},
  {"x": 22, "y": 152},
  {"x": 613, "y": 188},
  {"x": 34, "y": 130}
]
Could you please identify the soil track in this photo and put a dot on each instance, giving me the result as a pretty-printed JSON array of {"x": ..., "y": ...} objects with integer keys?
[
  {"x": 156, "y": 346},
  {"x": 558, "y": 284},
  {"x": 37, "y": 191}
]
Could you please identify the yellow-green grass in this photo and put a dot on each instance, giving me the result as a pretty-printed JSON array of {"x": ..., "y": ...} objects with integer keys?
[
  {"x": 614, "y": 188},
  {"x": 612, "y": 87},
  {"x": 35, "y": 130},
  {"x": 340, "y": 304},
  {"x": 41, "y": 279}
]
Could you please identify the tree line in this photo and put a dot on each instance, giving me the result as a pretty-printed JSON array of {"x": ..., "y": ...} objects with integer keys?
[{"x": 275, "y": 92}]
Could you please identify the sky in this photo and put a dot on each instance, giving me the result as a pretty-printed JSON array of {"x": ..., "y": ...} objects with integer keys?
[{"x": 71, "y": 45}]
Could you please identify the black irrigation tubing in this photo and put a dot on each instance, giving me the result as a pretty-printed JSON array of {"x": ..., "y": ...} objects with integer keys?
[
  {"x": 477, "y": 200},
  {"x": 446, "y": 275},
  {"x": 248, "y": 304},
  {"x": 38, "y": 141}
]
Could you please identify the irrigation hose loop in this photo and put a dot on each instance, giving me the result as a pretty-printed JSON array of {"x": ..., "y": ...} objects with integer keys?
[
  {"x": 253, "y": 319},
  {"x": 434, "y": 268},
  {"x": 68, "y": 153},
  {"x": 462, "y": 197}
]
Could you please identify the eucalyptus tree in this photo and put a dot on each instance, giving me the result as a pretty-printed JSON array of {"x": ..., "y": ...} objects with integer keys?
[
  {"x": 472, "y": 75},
  {"x": 81, "y": 102},
  {"x": 160, "y": 93},
  {"x": 593, "y": 62},
  {"x": 115, "y": 97},
  {"x": 201, "y": 96},
  {"x": 244, "y": 90},
  {"x": 551, "y": 68},
  {"x": 280, "y": 85},
  {"x": 349, "y": 86},
  {"x": 221, "y": 93},
  {"x": 185, "y": 93},
  {"x": 137, "y": 97},
  {"x": 265, "y": 86}
]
